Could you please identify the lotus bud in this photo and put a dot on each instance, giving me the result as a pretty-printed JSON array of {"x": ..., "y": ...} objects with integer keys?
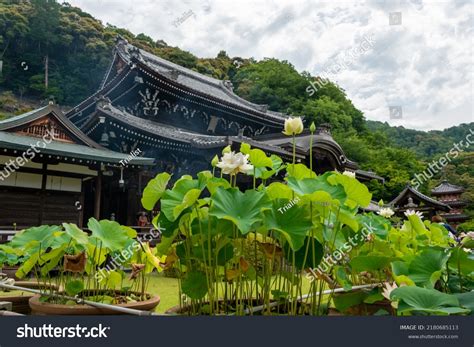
[
  {"x": 312, "y": 127},
  {"x": 214, "y": 161},
  {"x": 227, "y": 150},
  {"x": 381, "y": 203},
  {"x": 293, "y": 126}
]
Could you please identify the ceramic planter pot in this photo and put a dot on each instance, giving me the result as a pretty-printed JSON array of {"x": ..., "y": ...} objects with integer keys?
[
  {"x": 20, "y": 302},
  {"x": 49, "y": 309}
]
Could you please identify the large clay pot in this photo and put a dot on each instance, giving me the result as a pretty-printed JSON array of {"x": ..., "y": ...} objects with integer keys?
[
  {"x": 48, "y": 309},
  {"x": 20, "y": 302}
]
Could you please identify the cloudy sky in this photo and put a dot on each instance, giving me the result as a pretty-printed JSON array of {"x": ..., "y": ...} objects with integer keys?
[{"x": 407, "y": 62}]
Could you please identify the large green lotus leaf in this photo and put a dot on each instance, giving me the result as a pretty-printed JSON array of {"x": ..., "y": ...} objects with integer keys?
[
  {"x": 74, "y": 287},
  {"x": 277, "y": 165},
  {"x": 417, "y": 224},
  {"x": 211, "y": 225},
  {"x": 154, "y": 190},
  {"x": 165, "y": 226},
  {"x": 11, "y": 250},
  {"x": 347, "y": 218},
  {"x": 114, "y": 280},
  {"x": 357, "y": 193},
  {"x": 51, "y": 259},
  {"x": 110, "y": 234},
  {"x": 369, "y": 263},
  {"x": 423, "y": 269},
  {"x": 378, "y": 225},
  {"x": 96, "y": 254},
  {"x": 426, "y": 300},
  {"x": 278, "y": 190},
  {"x": 299, "y": 171},
  {"x": 245, "y": 148},
  {"x": 466, "y": 300},
  {"x": 166, "y": 242},
  {"x": 45, "y": 235},
  {"x": 439, "y": 235},
  {"x": 242, "y": 209},
  {"x": 293, "y": 223},
  {"x": 344, "y": 301},
  {"x": 184, "y": 194},
  {"x": 225, "y": 254},
  {"x": 258, "y": 158},
  {"x": 460, "y": 259},
  {"x": 195, "y": 285},
  {"x": 308, "y": 256},
  {"x": 215, "y": 182},
  {"x": 174, "y": 203},
  {"x": 27, "y": 265},
  {"x": 308, "y": 186},
  {"x": 76, "y": 234},
  {"x": 426, "y": 268}
]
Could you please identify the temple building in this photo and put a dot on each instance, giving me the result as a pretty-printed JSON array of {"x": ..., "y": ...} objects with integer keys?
[
  {"x": 411, "y": 199},
  {"x": 450, "y": 195},
  {"x": 176, "y": 116},
  {"x": 51, "y": 172}
]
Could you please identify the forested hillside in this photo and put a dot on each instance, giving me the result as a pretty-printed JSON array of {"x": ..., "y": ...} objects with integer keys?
[{"x": 56, "y": 51}]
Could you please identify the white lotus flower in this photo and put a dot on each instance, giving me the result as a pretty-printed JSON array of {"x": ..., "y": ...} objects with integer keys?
[
  {"x": 409, "y": 213},
  {"x": 386, "y": 212},
  {"x": 470, "y": 234},
  {"x": 293, "y": 126},
  {"x": 349, "y": 173},
  {"x": 232, "y": 163}
]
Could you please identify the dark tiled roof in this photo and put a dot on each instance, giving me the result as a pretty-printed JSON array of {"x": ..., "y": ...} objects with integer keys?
[
  {"x": 370, "y": 175},
  {"x": 163, "y": 130},
  {"x": 85, "y": 149},
  {"x": 71, "y": 150},
  {"x": 410, "y": 190},
  {"x": 53, "y": 110},
  {"x": 445, "y": 188},
  {"x": 206, "y": 85}
]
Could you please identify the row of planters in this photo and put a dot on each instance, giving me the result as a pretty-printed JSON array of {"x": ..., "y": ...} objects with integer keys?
[
  {"x": 293, "y": 246},
  {"x": 290, "y": 246},
  {"x": 65, "y": 261}
]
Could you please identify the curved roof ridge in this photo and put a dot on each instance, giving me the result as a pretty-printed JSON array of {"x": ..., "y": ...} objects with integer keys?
[
  {"x": 420, "y": 195},
  {"x": 126, "y": 50},
  {"x": 446, "y": 187}
]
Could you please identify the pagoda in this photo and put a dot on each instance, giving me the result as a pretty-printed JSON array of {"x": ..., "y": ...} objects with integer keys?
[{"x": 450, "y": 195}]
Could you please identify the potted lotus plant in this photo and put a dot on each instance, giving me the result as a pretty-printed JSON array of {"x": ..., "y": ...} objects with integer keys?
[{"x": 87, "y": 266}]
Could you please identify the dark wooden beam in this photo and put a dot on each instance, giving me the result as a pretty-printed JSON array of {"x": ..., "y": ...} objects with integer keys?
[{"x": 97, "y": 195}]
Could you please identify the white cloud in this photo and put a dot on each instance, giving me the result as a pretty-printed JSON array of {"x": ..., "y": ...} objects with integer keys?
[{"x": 424, "y": 65}]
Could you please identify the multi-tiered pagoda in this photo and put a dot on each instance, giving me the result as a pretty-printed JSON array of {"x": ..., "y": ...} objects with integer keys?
[{"x": 450, "y": 195}]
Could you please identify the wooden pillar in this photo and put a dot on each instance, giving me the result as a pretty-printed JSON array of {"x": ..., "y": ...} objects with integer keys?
[
  {"x": 132, "y": 198},
  {"x": 42, "y": 204},
  {"x": 97, "y": 195}
]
